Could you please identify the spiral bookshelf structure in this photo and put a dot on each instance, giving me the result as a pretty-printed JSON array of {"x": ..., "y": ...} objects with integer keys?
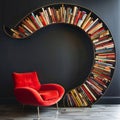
[{"x": 103, "y": 66}]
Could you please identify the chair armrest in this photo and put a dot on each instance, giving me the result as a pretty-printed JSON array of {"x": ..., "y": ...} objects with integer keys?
[
  {"x": 27, "y": 95},
  {"x": 51, "y": 86}
]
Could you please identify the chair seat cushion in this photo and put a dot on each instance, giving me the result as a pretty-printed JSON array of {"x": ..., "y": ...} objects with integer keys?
[{"x": 49, "y": 94}]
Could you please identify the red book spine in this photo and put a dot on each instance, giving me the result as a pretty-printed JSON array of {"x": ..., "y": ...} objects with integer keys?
[
  {"x": 104, "y": 44},
  {"x": 100, "y": 82},
  {"x": 88, "y": 94},
  {"x": 77, "y": 18},
  {"x": 42, "y": 19},
  {"x": 102, "y": 75},
  {"x": 104, "y": 37},
  {"x": 106, "y": 54},
  {"x": 34, "y": 22},
  {"x": 22, "y": 30}
]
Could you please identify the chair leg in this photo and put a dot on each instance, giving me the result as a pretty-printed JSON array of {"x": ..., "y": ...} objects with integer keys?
[
  {"x": 57, "y": 108},
  {"x": 38, "y": 110}
]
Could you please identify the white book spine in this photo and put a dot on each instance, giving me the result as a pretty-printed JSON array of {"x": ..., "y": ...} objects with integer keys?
[
  {"x": 35, "y": 19},
  {"x": 90, "y": 92},
  {"x": 104, "y": 41},
  {"x": 40, "y": 23},
  {"x": 27, "y": 28},
  {"x": 81, "y": 20}
]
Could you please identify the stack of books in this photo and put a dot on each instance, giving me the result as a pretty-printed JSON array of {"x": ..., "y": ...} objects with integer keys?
[
  {"x": 68, "y": 14},
  {"x": 101, "y": 74}
]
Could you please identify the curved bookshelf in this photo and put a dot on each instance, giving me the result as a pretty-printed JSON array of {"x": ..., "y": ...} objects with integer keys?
[{"x": 100, "y": 76}]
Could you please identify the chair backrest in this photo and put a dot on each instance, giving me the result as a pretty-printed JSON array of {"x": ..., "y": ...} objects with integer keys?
[{"x": 28, "y": 79}]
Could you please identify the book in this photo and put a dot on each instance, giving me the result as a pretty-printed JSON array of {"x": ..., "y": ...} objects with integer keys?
[
  {"x": 105, "y": 33},
  {"x": 99, "y": 80},
  {"x": 42, "y": 19},
  {"x": 98, "y": 86},
  {"x": 45, "y": 14},
  {"x": 84, "y": 14},
  {"x": 39, "y": 21},
  {"x": 105, "y": 68},
  {"x": 92, "y": 25},
  {"x": 75, "y": 98},
  {"x": 69, "y": 100},
  {"x": 74, "y": 103},
  {"x": 84, "y": 102},
  {"x": 107, "y": 54},
  {"x": 104, "y": 78},
  {"x": 95, "y": 28},
  {"x": 104, "y": 64},
  {"x": 104, "y": 51},
  {"x": 61, "y": 13},
  {"x": 30, "y": 31},
  {"x": 84, "y": 95},
  {"x": 102, "y": 59},
  {"x": 50, "y": 15},
  {"x": 97, "y": 33},
  {"x": 86, "y": 22},
  {"x": 31, "y": 23},
  {"x": 74, "y": 14},
  {"x": 87, "y": 93},
  {"x": 64, "y": 13},
  {"x": 78, "y": 97},
  {"x": 87, "y": 18},
  {"x": 96, "y": 90},
  {"x": 28, "y": 25},
  {"x": 16, "y": 33},
  {"x": 33, "y": 19},
  {"x": 105, "y": 46},
  {"x": 57, "y": 16},
  {"x": 24, "y": 31},
  {"x": 106, "y": 57},
  {"x": 101, "y": 74},
  {"x": 103, "y": 41},
  {"x": 53, "y": 15},
  {"x": 68, "y": 15},
  {"x": 100, "y": 39},
  {"x": 77, "y": 17}
]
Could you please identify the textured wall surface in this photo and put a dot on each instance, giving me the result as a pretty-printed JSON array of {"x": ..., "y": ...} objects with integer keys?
[{"x": 16, "y": 54}]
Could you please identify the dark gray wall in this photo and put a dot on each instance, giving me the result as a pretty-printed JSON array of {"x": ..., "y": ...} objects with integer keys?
[{"x": 13, "y": 10}]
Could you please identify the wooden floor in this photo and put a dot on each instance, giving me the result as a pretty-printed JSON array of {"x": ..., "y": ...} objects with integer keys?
[{"x": 96, "y": 112}]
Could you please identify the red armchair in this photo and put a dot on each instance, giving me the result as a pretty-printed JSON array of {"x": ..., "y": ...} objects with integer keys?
[{"x": 29, "y": 91}]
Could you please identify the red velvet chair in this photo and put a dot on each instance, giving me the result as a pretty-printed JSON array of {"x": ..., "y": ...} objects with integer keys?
[{"x": 29, "y": 91}]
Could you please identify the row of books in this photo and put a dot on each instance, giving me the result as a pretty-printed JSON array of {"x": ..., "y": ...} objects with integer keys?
[
  {"x": 100, "y": 77},
  {"x": 63, "y": 14},
  {"x": 96, "y": 83}
]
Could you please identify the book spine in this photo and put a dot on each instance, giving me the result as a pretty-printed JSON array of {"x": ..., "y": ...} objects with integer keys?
[
  {"x": 92, "y": 25},
  {"x": 82, "y": 20},
  {"x": 74, "y": 14}
]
